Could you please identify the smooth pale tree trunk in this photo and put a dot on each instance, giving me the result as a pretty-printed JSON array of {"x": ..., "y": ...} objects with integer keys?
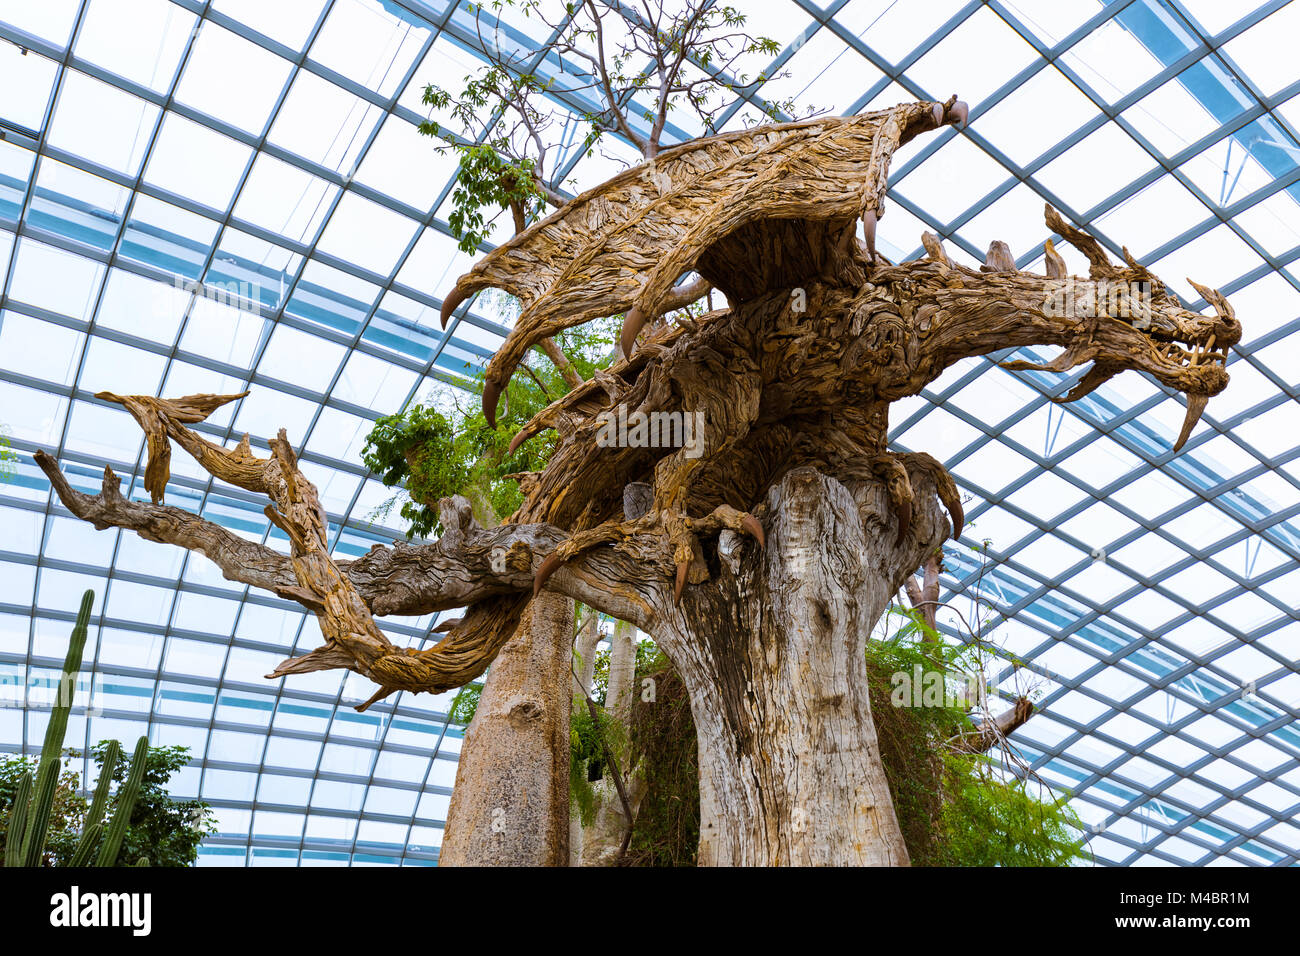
[
  {"x": 510, "y": 805},
  {"x": 584, "y": 653},
  {"x": 602, "y": 841},
  {"x": 772, "y": 652}
]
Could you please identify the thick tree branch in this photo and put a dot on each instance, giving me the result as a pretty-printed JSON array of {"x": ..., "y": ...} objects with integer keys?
[
  {"x": 466, "y": 566},
  {"x": 993, "y": 732},
  {"x": 239, "y": 559}
]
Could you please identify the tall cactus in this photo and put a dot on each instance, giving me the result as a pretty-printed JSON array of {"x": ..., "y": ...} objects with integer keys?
[
  {"x": 47, "y": 776},
  {"x": 126, "y": 797},
  {"x": 93, "y": 827},
  {"x": 17, "y": 817}
]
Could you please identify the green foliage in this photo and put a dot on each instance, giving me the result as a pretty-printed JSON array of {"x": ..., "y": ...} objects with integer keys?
[
  {"x": 166, "y": 830},
  {"x": 485, "y": 178},
  {"x": 988, "y": 821},
  {"x": 586, "y": 759},
  {"x": 955, "y": 809},
  {"x": 8, "y": 457},
  {"x": 430, "y": 454},
  {"x": 67, "y": 812},
  {"x": 418, "y": 450},
  {"x": 465, "y": 703},
  {"x": 663, "y": 746}
]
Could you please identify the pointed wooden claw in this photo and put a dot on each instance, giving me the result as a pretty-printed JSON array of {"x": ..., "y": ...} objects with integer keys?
[
  {"x": 550, "y": 564},
  {"x": 951, "y": 499},
  {"x": 491, "y": 396},
  {"x": 633, "y": 322},
  {"x": 449, "y": 304},
  {"x": 682, "y": 568},
  {"x": 869, "y": 220},
  {"x": 754, "y": 529}
]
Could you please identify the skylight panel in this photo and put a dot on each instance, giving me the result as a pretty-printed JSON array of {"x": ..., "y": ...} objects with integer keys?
[
  {"x": 366, "y": 41},
  {"x": 1214, "y": 258},
  {"x": 158, "y": 231},
  {"x": 113, "y": 366},
  {"x": 192, "y": 161},
  {"x": 1152, "y": 217},
  {"x": 1047, "y": 557},
  {"x": 50, "y": 19},
  {"x": 1058, "y": 109},
  {"x": 1099, "y": 583},
  {"x": 1053, "y": 22},
  {"x": 951, "y": 179},
  {"x": 1099, "y": 524},
  {"x": 301, "y": 358},
  {"x": 371, "y": 236},
  {"x": 1113, "y": 61},
  {"x": 373, "y": 383},
  {"x": 403, "y": 164},
  {"x": 1226, "y": 172},
  {"x": 42, "y": 350},
  {"x": 1259, "y": 50},
  {"x": 332, "y": 298},
  {"x": 1203, "y": 526},
  {"x": 141, "y": 41},
  {"x": 1015, "y": 217},
  {"x": 1272, "y": 223},
  {"x": 82, "y": 205},
  {"x": 325, "y": 123},
  {"x": 53, "y": 279},
  {"x": 248, "y": 272},
  {"x": 824, "y": 73},
  {"x": 267, "y": 410},
  {"x": 286, "y": 21},
  {"x": 336, "y": 488},
  {"x": 950, "y": 67},
  {"x": 1096, "y": 167},
  {"x": 102, "y": 124},
  {"x": 284, "y": 199},
  {"x": 216, "y": 330},
  {"x": 232, "y": 79},
  {"x": 28, "y": 83}
]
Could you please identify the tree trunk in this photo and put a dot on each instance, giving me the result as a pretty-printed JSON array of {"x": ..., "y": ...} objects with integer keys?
[
  {"x": 584, "y": 653},
  {"x": 602, "y": 841},
  {"x": 510, "y": 804},
  {"x": 773, "y": 654}
]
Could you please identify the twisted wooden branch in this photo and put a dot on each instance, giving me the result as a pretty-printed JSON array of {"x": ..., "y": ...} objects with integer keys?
[{"x": 490, "y": 570}]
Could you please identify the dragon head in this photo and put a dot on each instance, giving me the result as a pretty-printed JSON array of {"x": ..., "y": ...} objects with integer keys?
[{"x": 1134, "y": 322}]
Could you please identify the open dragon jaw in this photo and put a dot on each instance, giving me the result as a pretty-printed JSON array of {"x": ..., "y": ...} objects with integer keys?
[{"x": 820, "y": 334}]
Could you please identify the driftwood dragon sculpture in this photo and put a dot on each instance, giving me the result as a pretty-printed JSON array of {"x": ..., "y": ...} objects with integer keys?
[{"x": 819, "y": 336}]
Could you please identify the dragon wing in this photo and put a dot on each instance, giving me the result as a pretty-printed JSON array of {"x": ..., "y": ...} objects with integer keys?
[{"x": 777, "y": 192}]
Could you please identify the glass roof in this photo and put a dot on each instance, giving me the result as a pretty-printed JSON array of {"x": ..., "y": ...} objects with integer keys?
[{"x": 213, "y": 196}]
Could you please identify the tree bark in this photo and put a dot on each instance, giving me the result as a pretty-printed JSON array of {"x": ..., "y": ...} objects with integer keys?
[
  {"x": 772, "y": 651},
  {"x": 510, "y": 804}
]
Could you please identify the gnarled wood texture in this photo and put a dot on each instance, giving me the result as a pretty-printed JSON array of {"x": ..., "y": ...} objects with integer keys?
[{"x": 786, "y": 388}]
